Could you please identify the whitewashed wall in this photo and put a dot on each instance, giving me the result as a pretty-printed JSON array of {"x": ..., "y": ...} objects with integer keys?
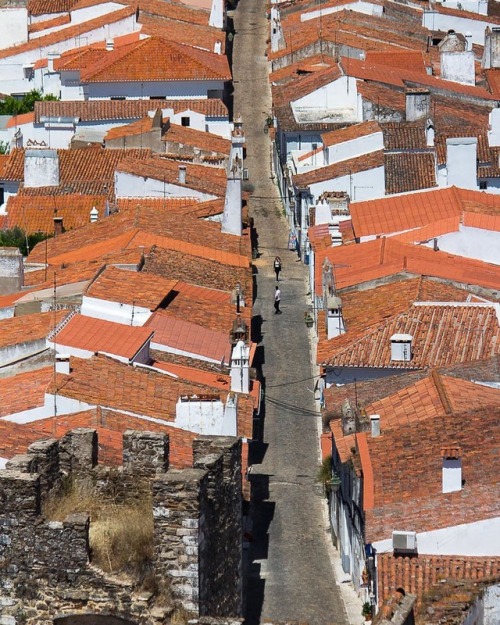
[
  {"x": 365, "y": 185},
  {"x": 440, "y": 21},
  {"x": 114, "y": 311},
  {"x": 129, "y": 185},
  {"x": 338, "y": 101},
  {"x": 180, "y": 89},
  {"x": 13, "y": 26},
  {"x": 355, "y": 147}
]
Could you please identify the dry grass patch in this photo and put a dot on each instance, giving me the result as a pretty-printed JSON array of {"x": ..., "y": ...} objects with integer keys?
[{"x": 121, "y": 534}]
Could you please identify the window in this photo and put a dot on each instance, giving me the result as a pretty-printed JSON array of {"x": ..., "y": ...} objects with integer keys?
[
  {"x": 483, "y": 185},
  {"x": 157, "y": 97},
  {"x": 185, "y": 121},
  {"x": 2, "y": 196},
  {"x": 118, "y": 97}
]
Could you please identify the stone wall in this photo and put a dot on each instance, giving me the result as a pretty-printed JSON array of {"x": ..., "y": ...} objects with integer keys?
[{"x": 46, "y": 570}]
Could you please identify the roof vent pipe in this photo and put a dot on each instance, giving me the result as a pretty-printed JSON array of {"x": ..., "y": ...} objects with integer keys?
[
  {"x": 375, "y": 425},
  {"x": 182, "y": 174}
]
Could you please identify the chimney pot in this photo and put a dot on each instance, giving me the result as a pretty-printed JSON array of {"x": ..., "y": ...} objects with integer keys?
[
  {"x": 58, "y": 226},
  {"x": 375, "y": 425},
  {"x": 182, "y": 174}
]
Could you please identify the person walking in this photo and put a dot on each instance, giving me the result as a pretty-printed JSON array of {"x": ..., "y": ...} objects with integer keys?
[
  {"x": 277, "y": 300},
  {"x": 277, "y": 267}
]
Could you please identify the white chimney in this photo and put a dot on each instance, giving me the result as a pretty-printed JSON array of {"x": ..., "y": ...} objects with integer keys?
[
  {"x": 240, "y": 368},
  {"x": 375, "y": 425},
  {"x": 94, "y": 215},
  {"x": 468, "y": 41},
  {"x": 429, "y": 134},
  {"x": 452, "y": 470},
  {"x": 461, "y": 162},
  {"x": 110, "y": 45},
  {"x": 218, "y": 47},
  {"x": 334, "y": 320},
  {"x": 401, "y": 347},
  {"x": 41, "y": 168},
  {"x": 494, "y": 131},
  {"x": 51, "y": 57},
  {"x": 182, "y": 174},
  {"x": 458, "y": 67},
  {"x": 231, "y": 219},
  {"x": 418, "y": 104},
  {"x": 62, "y": 364}
]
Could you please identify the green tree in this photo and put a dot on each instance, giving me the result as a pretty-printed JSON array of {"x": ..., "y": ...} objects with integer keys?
[
  {"x": 16, "y": 237},
  {"x": 13, "y": 106}
]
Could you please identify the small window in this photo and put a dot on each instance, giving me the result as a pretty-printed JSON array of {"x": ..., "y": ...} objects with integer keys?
[
  {"x": 483, "y": 185},
  {"x": 118, "y": 97},
  {"x": 185, "y": 121},
  {"x": 2, "y": 195},
  {"x": 158, "y": 97}
]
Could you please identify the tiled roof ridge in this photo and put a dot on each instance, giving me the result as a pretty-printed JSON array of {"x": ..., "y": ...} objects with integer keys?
[
  {"x": 109, "y": 59},
  {"x": 366, "y": 466},
  {"x": 441, "y": 391}
]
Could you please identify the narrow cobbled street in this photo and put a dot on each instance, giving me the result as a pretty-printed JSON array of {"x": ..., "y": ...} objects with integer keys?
[{"x": 290, "y": 573}]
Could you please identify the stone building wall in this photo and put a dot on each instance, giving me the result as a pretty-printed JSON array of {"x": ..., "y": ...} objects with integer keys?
[{"x": 46, "y": 570}]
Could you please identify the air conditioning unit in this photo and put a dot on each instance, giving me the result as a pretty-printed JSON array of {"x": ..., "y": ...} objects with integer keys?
[
  {"x": 245, "y": 173},
  {"x": 404, "y": 542}
]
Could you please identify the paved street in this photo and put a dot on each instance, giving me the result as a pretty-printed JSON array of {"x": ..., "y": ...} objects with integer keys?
[{"x": 291, "y": 576}]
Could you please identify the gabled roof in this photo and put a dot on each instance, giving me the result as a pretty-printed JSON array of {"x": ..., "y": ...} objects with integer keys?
[
  {"x": 97, "y": 110},
  {"x": 182, "y": 31},
  {"x": 442, "y": 334},
  {"x": 23, "y": 391},
  {"x": 19, "y": 120},
  {"x": 410, "y": 211},
  {"x": 151, "y": 59},
  {"x": 206, "y": 141},
  {"x": 130, "y": 287},
  {"x": 185, "y": 336},
  {"x": 98, "y": 335}
]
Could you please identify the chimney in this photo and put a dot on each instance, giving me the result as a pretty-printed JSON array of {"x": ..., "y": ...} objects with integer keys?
[
  {"x": 62, "y": 364},
  {"x": 452, "y": 469},
  {"x": 457, "y": 63},
  {"x": 58, "y": 226},
  {"x": 334, "y": 320},
  {"x": 401, "y": 347},
  {"x": 435, "y": 245},
  {"x": 51, "y": 57},
  {"x": 491, "y": 54},
  {"x": 41, "y": 168},
  {"x": 11, "y": 270},
  {"x": 375, "y": 425},
  {"x": 468, "y": 41},
  {"x": 418, "y": 104},
  {"x": 494, "y": 128},
  {"x": 240, "y": 368},
  {"x": 94, "y": 215},
  {"x": 182, "y": 174},
  {"x": 218, "y": 47},
  {"x": 110, "y": 45},
  {"x": 232, "y": 220},
  {"x": 461, "y": 162},
  {"x": 429, "y": 134}
]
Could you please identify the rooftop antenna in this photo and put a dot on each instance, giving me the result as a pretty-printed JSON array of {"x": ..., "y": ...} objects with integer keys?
[{"x": 54, "y": 424}]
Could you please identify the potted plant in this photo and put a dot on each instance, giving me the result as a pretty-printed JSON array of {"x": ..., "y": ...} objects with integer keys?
[
  {"x": 309, "y": 320},
  {"x": 366, "y": 610}
]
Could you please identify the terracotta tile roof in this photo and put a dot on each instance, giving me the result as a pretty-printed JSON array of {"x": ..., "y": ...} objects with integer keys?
[
  {"x": 23, "y": 391},
  {"x": 416, "y": 210},
  {"x": 40, "y": 7},
  {"x": 88, "y": 110},
  {"x": 442, "y": 334},
  {"x": 37, "y": 214},
  {"x": 434, "y": 575},
  {"x": 355, "y": 131},
  {"x": 304, "y": 85},
  {"x": 172, "y": 10},
  {"x": 408, "y": 467},
  {"x": 197, "y": 138},
  {"x": 183, "y": 206},
  {"x": 211, "y": 272},
  {"x": 79, "y": 166},
  {"x": 206, "y": 179},
  {"x": 28, "y": 328},
  {"x": 139, "y": 127},
  {"x": 66, "y": 34},
  {"x": 400, "y": 77},
  {"x": 493, "y": 78},
  {"x": 182, "y": 335},
  {"x": 184, "y": 32},
  {"x": 206, "y": 307},
  {"x": 37, "y": 27},
  {"x": 4, "y": 160},
  {"x": 173, "y": 61},
  {"x": 19, "y": 120},
  {"x": 406, "y": 171},
  {"x": 344, "y": 168},
  {"x": 97, "y": 335},
  {"x": 404, "y": 136},
  {"x": 445, "y": 132},
  {"x": 130, "y": 287},
  {"x": 111, "y": 425},
  {"x": 486, "y": 222},
  {"x": 430, "y": 398},
  {"x": 412, "y": 60},
  {"x": 311, "y": 64},
  {"x": 110, "y": 384}
]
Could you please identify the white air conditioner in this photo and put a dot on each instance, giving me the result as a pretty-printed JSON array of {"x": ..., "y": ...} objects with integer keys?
[
  {"x": 404, "y": 542},
  {"x": 245, "y": 173}
]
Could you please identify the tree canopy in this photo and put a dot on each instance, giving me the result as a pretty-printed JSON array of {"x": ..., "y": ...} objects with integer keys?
[{"x": 13, "y": 106}]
